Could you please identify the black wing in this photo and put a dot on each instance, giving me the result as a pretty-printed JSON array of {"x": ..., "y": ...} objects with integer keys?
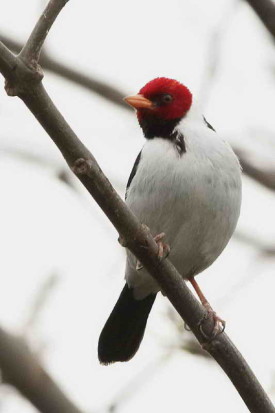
[
  {"x": 132, "y": 174},
  {"x": 208, "y": 124}
]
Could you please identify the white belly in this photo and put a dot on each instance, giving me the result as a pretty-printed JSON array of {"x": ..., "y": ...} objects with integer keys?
[{"x": 195, "y": 199}]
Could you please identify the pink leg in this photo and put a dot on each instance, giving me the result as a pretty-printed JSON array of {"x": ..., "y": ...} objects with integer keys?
[{"x": 219, "y": 324}]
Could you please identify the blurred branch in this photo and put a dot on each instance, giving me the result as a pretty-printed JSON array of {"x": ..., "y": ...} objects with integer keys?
[
  {"x": 52, "y": 65},
  {"x": 214, "y": 52},
  {"x": 265, "y": 10},
  {"x": 137, "y": 382},
  {"x": 22, "y": 370},
  {"x": 40, "y": 300},
  {"x": 264, "y": 177},
  {"x": 61, "y": 173},
  {"x": 24, "y": 81},
  {"x": 265, "y": 250},
  {"x": 7, "y": 62}
]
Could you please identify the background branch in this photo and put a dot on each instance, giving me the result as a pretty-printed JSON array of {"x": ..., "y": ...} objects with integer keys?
[
  {"x": 7, "y": 61},
  {"x": 53, "y": 65},
  {"x": 21, "y": 369},
  {"x": 263, "y": 177}
]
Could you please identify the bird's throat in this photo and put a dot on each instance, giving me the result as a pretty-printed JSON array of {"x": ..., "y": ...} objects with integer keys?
[{"x": 154, "y": 127}]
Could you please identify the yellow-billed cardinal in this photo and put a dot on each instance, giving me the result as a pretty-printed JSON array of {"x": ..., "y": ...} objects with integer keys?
[{"x": 186, "y": 183}]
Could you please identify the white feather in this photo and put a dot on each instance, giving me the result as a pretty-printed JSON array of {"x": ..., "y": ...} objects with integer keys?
[{"x": 194, "y": 198}]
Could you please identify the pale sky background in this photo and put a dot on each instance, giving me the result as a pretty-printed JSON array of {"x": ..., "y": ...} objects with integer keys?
[{"x": 51, "y": 231}]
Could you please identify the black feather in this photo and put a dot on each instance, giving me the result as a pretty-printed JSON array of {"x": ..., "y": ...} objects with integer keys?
[
  {"x": 123, "y": 332},
  {"x": 208, "y": 124},
  {"x": 133, "y": 172},
  {"x": 154, "y": 127}
]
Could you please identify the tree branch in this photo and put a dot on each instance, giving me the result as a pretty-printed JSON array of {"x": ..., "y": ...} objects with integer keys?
[
  {"x": 32, "y": 49},
  {"x": 27, "y": 85},
  {"x": 7, "y": 62},
  {"x": 21, "y": 369},
  {"x": 263, "y": 177},
  {"x": 265, "y": 9}
]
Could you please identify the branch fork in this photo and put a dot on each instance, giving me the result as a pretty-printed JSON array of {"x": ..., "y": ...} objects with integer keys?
[{"x": 22, "y": 79}]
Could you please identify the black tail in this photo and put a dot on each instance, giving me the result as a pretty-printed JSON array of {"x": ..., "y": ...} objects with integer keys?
[{"x": 124, "y": 329}]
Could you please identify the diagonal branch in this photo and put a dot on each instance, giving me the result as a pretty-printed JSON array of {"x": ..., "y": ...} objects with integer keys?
[
  {"x": 265, "y": 9},
  {"x": 32, "y": 49},
  {"x": 22, "y": 370},
  {"x": 26, "y": 83}
]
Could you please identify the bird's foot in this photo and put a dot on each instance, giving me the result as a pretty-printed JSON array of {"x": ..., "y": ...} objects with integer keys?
[
  {"x": 218, "y": 323},
  {"x": 163, "y": 249}
]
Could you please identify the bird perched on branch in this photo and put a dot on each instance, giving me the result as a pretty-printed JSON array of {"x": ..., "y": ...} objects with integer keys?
[{"x": 185, "y": 186}]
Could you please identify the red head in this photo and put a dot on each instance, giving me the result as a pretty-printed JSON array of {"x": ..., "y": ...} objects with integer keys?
[{"x": 162, "y": 98}]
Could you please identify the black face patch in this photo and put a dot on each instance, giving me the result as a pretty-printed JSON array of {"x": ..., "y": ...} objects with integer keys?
[{"x": 154, "y": 127}]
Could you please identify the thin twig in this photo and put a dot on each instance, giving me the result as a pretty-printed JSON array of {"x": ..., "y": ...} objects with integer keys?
[
  {"x": 32, "y": 49},
  {"x": 137, "y": 239},
  {"x": 39, "y": 302},
  {"x": 214, "y": 52},
  {"x": 21, "y": 369}
]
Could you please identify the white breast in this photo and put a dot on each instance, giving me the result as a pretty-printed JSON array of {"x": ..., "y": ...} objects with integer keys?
[{"x": 194, "y": 198}]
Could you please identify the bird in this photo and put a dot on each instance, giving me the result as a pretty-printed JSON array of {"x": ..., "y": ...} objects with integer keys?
[{"x": 185, "y": 186}]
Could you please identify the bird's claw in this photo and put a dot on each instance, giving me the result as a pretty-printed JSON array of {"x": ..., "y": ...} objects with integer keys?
[
  {"x": 218, "y": 327},
  {"x": 163, "y": 248},
  {"x": 145, "y": 227}
]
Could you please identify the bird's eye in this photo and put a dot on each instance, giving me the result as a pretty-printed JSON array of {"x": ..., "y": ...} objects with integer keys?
[{"x": 166, "y": 98}]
